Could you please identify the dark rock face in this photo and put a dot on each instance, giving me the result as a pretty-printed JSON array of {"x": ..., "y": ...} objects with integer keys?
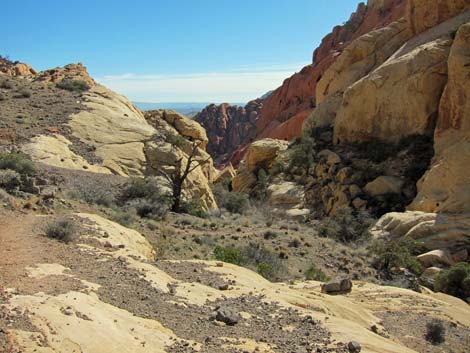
[
  {"x": 229, "y": 127},
  {"x": 337, "y": 286}
]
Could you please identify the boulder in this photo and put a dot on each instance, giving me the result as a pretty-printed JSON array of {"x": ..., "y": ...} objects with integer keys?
[
  {"x": 337, "y": 286},
  {"x": 286, "y": 195},
  {"x": 434, "y": 231},
  {"x": 435, "y": 258},
  {"x": 244, "y": 180},
  {"x": 324, "y": 113},
  {"x": 384, "y": 185},
  {"x": 424, "y": 14},
  {"x": 331, "y": 157},
  {"x": 297, "y": 214},
  {"x": 69, "y": 72},
  {"x": 186, "y": 127},
  {"x": 228, "y": 173},
  {"x": 262, "y": 153},
  {"x": 446, "y": 185}
]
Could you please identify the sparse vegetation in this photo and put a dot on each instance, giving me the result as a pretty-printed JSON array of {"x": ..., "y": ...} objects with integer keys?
[
  {"x": 73, "y": 85},
  {"x": 9, "y": 179},
  {"x": 194, "y": 208},
  {"x": 455, "y": 281},
  {"x": 259, "y": 191},
  {"x": 435, "y": 331},
  {"x": 63, "y": 230},
  {"x": 315, "y": 274},
  {"x": 346, "y": 225},
  {"x": 389, "y": 255},
  {"x": 253, "y": 256},
  {"x": 301, "y": 157},
  {"x": 124, "y": 218},
  {"x": 233, "y": 202},
  {"x": 7, "y": 84}
]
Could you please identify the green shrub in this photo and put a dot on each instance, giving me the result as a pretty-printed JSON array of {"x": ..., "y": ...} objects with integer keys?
[
  {"x": 455, "y": 281},
  {"x": 9, "y": 179},
  {"x": 63, "y": 230},
  {"x": 73, "y": 85},
  {"x": 396, "y": 254},
  {"x": 152, "y": 209},
  {"x": 234, "y": 202},
  {"x": 195, "y": 208},
  {"x": 435, "y": 332},
  {"x": 301, "y": 157},
  {"x": 315, "y": 274},
  {"x": 175, "y": 140},
  {"x": 2, "y": 97},
  {"x": 140, "y": 188},
  {"x": 346, "y": 225},
  {"x": 19, "y": 162},
  {"x": 269, "y": 234},
  {"x": 229, "y": 254}
]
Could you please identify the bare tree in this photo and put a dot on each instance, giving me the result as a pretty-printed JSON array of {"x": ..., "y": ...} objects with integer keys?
[{"x": 180, "y": 173}]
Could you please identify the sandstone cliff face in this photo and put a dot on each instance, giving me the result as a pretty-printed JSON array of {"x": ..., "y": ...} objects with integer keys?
[
  {"x": 295, "y": 99},
  {"x": 423, "y": 14},
  {"x": 229, "y": 127}
]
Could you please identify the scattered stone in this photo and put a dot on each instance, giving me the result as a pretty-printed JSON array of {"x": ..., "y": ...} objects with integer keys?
[
  {"x": 337, "y": 286},
  {"x": 226, "y": 315},
  {"x": 354, "y": 347}
]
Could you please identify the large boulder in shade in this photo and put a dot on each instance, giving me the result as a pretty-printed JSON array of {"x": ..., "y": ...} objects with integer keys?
[
  {"x": 446, "y": 185},
  {"x": 337, "y": 286},
  {"x": 384, "y": 185},
  {"x": 286, "y": 195},
  {"x": 424, "y": 14}
]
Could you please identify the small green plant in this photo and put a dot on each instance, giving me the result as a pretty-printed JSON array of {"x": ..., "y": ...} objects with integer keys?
[
  {"x": 435, "y": 332},
  {"x": 19, "y": 162},
  {"x": 396, "y": 254},
  {"x": 346, "y": 225},
  {"x": 63, "y": 230},
  {"x": 233, "y": 202},
  {"x": 2, "y": 97},
  {"x": 73, "y": 85},
  {"x": 315, "y": 274},
  {"x": 259, "y": 191},
  {"x": 175, "y": 140},
  {"x": 269, "y": 235},
  {"x": 455, "y": 281},
  {"x": 301, "y": 158}
]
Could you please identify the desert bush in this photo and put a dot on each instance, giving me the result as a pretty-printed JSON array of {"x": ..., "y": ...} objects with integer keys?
[
  {"x": 259, "y": 191},
  {"x": 195, "y": 208},
  {"x": 122, "y": 217},
  {"x": 2, "y": 97},
  {"x": 7, "y": 84},
  {"x": 315, "y": 274},
  {"x": 269, "y": 235},
  {"x": 152, "y": 209},
  {"x": 229, "y": 254},
  {"x": 9, "y": 179},
  {"x": 23, "y": 93},
  {"x": 455, "y": 281},
  {"x": 233, "y": 202},
  {"x": 301, "y": 157},
  {"x": 396, "y": 254},
  {"x": 62, "y": 229},
  {"x": 175, "y": 140},
  {"x": 435, "y": 331},
  {"x": 19, "y": 162},
  {"x": 140, "y": 188},
  {"x": 73, "y": 85},
  {"x": 346, "y": 225}
]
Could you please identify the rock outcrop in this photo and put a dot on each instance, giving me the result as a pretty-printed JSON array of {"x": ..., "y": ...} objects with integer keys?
[
  {"x": 16, "y": 69},
  {"x": 260, "y": 155},
  {"x": 70, "y": 72},
  {"x": 229, "y": 127}
]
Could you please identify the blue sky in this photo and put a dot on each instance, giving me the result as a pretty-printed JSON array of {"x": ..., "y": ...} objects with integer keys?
[{"x": 173, "y": 50}]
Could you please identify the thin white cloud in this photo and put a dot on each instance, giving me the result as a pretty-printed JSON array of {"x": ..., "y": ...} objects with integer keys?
[{"x": 237, "y": 85}]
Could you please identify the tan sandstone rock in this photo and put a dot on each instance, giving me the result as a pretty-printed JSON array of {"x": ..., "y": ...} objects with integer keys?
[
  {"x": 436, "y": 257},
  {"x": 286, "y": 195},
  {"x": 70, "y": 72}
]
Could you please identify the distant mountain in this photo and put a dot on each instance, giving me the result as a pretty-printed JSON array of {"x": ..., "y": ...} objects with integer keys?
[{"x": 188, "y": 109}]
